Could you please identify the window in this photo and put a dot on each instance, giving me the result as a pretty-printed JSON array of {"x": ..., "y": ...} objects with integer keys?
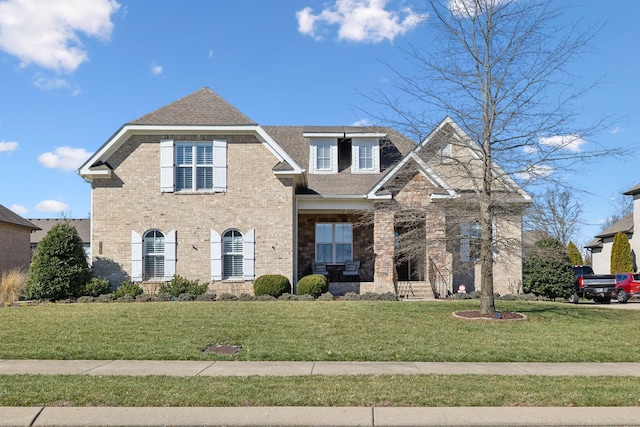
[
  {"x": 153, "y": 243},
  {"x": 334, "y": 243},
  {"x": 193, "y": 166},
  {"x": 365, "y": 157},
  {"x": 194, "y": 160},
  {"x": 232, "y": 255},
  {"x": 323, "y": 157},
  {"x": 470, "y": 242}
]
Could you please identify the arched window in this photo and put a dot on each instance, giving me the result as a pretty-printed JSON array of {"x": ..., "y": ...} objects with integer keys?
[
  {"x": 232, "y": 254},
  {"x": 153, "y": 244}
]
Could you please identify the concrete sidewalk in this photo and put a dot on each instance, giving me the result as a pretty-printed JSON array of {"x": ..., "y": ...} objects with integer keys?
[
  {"x": 314, "y": 416},
  {"x": 235, "y": 368}
]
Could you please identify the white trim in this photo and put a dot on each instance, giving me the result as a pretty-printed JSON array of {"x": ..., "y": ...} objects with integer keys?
[
  {"x": 323, "y": 135},
  {"x": 332, "y": 144},
  {"x": 219, "y": 165},
  {"x": 125, "y": 132},
  {"x": 167, "y": 166},
  {"x": 356, "y": 145},
  {"x": 376, "y": 135}
]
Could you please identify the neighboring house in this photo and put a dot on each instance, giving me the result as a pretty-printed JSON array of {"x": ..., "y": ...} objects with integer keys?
[
  {"x": 15, "y": 232},
  {"x": 602, "y": 243},
  {"x": 82, "y": 225},
  {"x": 198, "y": 189}
]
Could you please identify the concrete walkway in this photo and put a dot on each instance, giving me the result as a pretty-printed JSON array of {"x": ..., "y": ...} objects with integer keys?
[{"x": 314, "y": 416}]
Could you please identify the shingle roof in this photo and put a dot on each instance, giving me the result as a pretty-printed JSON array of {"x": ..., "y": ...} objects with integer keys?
[
  {"x": 11, "y": 217},
  {"x": 634, "y": 190},
  {"x": 82, "y": 225},
  {"x": 204, "y": 107},
  {"x": 625, "y": 225}
]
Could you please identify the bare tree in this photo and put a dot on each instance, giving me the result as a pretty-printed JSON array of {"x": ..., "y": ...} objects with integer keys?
[
  {"x": 556, "y": 212},
  {"x": 499, "y": 69},
  {"x": 621, "y": 204}
]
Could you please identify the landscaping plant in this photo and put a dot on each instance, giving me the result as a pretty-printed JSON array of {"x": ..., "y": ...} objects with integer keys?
[
  {"x": 621, "y": 258},
  {"x": 313, "y": 284},
  {"x": 11, "y": 285},
  {"x": 271, "y": 284},
  {"x": 547, "y": 270},
  {"x": 179, "y": 285},
  {"x": 59, "y": 267}
]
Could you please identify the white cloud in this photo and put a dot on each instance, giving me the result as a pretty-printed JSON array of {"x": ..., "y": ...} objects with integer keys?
[
  {"x": 359, "y": 20},
  {"x": 535, "y": 172},
  {"x": 51, "y": 206},
  {"x": 362, "y": 122},
  {"x": 19, "y": 209},
  {"x": 617, "y": 130},
  {"x": 46, "y": 83},
  {"x": 469, "y": 8},
  {"x": 46, "y": 33},
  {"x": 568, "y": 142},
  {"x": 8, "y": 147},
  {"x": 65, "y": 158},
  {"x": 156, "y": 70},
  {"x": 528, "y": 149}
]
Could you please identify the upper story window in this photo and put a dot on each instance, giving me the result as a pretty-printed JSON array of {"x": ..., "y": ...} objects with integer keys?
[
  {"x": 366, "y": 155},
  {"x": 187, "y": 166},
  {"x": 194, "y": 166},
  {"x": 323, "y": 155}
]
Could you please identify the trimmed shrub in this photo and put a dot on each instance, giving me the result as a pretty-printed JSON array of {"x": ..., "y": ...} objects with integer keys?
[
  {"x": 105, "y": 298},
  {"x": 179, "y": 285},
  {"x": 547, "y": 270},
  {"x": 288, "y": 297},
  {"x": 59, "y": 266},
  {"x": 271, "y": 284},
  {"x": 97, "y": 286},
  {"x": 127, "y": 288},
  {"x": 227, "y": 297},
  {"x": 388, "y": 296},
  {"x": 621, "y": 258},
  {"x": 351, "y": 296},
  {"x": 186, "y": 296},
  {"x": 164, "y": 297},
  {"x": 266, "y": 298},
  {"x": 145, "y": 298},
  {"x": 246, "y": 297},
  {"x": 574, "y": 254},
  {"x": 85, "y": 299},
  {"x": 370, "y": 296},
  {"x": 207, "y": 296},
  {"x": 127, "y": 298},
  {"x": 306, "y": 297},
  {"x": 313, "y": 284},
  {"x": 462, "y": 296},
  {"x": 327, "y": 296}
]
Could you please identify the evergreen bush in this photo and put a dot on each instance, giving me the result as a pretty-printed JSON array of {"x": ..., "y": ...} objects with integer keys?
[
  {"x": 179, "y": 285},
  {"x": 271, "y": 284},
  {"x": 547, "y": 270},
  {"x": 574, "y": 254},
  {"x": 621, "y": 258},
  {"x": 313, "y": 284},
  {"x": 127, "y": 288},
  {"x": 59, "y": 267},
  {"x": 96, "y": 287}
]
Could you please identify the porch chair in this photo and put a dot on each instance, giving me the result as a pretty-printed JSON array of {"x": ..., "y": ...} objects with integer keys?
[
  {"x": 351, "y": 268},
  {"x": 319, "y": 268}
]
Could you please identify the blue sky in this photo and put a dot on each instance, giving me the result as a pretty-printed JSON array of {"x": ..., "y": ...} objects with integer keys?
[{"x": 73, "y": 71}]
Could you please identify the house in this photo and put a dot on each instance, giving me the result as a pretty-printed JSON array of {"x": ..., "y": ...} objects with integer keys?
[
  {"x": 198, "y": 189},
  {"x": 82, "y": 226},
  {"x": 15, "y": 232},
  {"x": 602, "y": 243}
]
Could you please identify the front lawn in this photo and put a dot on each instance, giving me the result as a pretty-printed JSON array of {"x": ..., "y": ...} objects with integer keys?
[{"x": 339, "y": 331}]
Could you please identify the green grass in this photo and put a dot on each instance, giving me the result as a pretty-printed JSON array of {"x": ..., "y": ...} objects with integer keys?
[
  {"x": 427, "y": 390},
  {"x": 340, "y": 331}
]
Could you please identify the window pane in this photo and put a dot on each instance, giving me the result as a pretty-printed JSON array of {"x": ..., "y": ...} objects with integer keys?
[
  {"x": 232, "y": 259},
  {"x": 184, "y": 177},
  {"x": 324, "y": 233},
  {"x": 365, "y": 157},
  {"x": 184, "y": 154},
  {"x": 205, "y": 154},
  {"x": 232, "y": 265},
  {"x": 324, "y": 253},
  {"x": 343, "y": 252},
  {"x": 323, "y": 157},
  {"x": 204, "y": 178},
  {"x": 343, "y": 233}
]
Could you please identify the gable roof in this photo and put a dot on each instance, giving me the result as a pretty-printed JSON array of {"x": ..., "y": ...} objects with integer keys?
[
  {"x": 634, "y": 190},
  {"x": 625, "y": 225},
  {"x": 9, "y": 217},
  {"x": 204, "y": 107},
  {"x": 82, "y": 226}
]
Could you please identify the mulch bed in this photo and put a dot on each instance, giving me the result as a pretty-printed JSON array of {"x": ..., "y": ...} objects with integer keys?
[{"x": 500, "y": 315}]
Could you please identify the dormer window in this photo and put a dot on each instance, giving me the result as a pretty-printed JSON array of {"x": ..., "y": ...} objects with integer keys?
[
  {"x": 366, "y": 155},
  {"x": 323, "y": 156}
]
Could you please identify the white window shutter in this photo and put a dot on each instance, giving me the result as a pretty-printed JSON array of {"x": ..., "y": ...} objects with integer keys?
[
  {"x": 334, "y": 157},
  {"x": 136, "y": 257},
  {"x": 170, "y": 255},
  {"x": 166, "y": 166},
  {"x": 219, "y": 165},
  {"x": 216, "y": 256},
  {"x": 249, "y": 255}
]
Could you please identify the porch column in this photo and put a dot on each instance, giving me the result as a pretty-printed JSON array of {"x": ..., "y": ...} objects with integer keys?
[
  {"x": 438, "y": 260},
  {"x": 383, "y": 248}
]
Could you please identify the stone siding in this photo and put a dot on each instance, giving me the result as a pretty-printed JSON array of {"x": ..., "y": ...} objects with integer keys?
[{"x": 131, "y": 200}]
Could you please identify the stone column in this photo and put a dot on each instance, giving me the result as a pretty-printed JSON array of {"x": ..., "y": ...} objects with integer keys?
[{"x": 383, "y": 248}]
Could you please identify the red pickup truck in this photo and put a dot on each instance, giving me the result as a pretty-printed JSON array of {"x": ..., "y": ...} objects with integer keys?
[{"x": 627, "y": 286}]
